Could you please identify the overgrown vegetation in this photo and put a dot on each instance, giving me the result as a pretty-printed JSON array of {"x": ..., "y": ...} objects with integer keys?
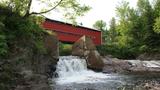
[
  {"x": 134, "y": 31},
  {"x": 18, "y": 21},
  {"x": 3, "y": 43},
  {"x": 14, "y": 28},
  {"x": 22, "y": 38},
  {"x": 65, "y": 49},
  {"x": 16, "y": 34}
]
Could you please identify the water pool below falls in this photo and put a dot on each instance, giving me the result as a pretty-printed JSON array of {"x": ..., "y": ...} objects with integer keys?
[{"x": 74, "y": 75}]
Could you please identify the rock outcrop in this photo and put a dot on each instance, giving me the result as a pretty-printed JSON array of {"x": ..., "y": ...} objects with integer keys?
[
  {"x": 149, "y": 56},
  {"x": 39, "y": 69},
  {"x": 85, "y": 48},
  {"x": 114, "y": 65},
  {"x": 27, "y": 68}
]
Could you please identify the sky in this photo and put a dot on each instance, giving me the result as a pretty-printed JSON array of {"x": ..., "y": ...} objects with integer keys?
[{"x": 101, "y": 10}]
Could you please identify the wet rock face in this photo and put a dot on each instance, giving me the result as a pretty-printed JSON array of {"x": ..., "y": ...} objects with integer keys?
[{"x": 85, "y": 48}]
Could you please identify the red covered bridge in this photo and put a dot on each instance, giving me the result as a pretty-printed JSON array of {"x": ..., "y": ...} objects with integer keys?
[{"x": 70, "y": 33}]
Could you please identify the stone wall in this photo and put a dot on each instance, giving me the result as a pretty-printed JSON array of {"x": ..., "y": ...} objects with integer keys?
[{"x": 85, "y": 48}]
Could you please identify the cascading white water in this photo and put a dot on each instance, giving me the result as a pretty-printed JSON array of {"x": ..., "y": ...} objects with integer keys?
[
  {"x": 74, "y": 75},
  {"x": 72, "y": 69},
  {"x": 150, "y": 64},
  {"x": 70, "y": 65}
]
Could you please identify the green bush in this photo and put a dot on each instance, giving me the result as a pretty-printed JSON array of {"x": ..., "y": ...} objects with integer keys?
[
  {"x": 16, "y": 35},
  {"x": 3, "y": 42},
  {"x": 39, "y": 47},
  {"x": 65, "y": 49},
  {"x": 15, "y": 28},
  {"x": 116, "y": 51}
]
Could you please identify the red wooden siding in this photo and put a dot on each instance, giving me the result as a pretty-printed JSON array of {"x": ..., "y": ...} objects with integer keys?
[{"x": 69, "y": 33}]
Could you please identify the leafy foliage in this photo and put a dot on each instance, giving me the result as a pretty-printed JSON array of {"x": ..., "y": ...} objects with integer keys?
[
  {"x": 70, "y": 8},
  {"x": 13, "y": 27},
  {"x": 137, "y": 30},
  {"x": 157, "y": 25},
  {"x": 17, "y": 34},
  {"x": 3, "y": 42},
  {"x": 21, "y": 33},
  {"x": 65, "y": 49},
  {"x": 101, "y": 25}
]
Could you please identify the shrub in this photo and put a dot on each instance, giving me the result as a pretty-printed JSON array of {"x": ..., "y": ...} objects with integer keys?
[
  {"x": 65, "y": 49},
  {"x": 3, "y": 42},
  {"x": 116, "y": 51},
  {"x": 15, "y": 28}
]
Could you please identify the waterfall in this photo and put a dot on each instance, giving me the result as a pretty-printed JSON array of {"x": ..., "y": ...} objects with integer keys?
[
  {"x": 70, "y": 65},
  {"x": 74, "y": 75},
  {"x": 72, "y": 69}
]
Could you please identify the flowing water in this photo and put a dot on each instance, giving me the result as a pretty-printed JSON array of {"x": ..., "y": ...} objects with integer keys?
[{"x": 74, "y": 75}]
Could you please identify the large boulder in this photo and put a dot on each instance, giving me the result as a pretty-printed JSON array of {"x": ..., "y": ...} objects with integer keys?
[
  {"x": 94, "y": 60},
  {"x": 85, "y": 48}
]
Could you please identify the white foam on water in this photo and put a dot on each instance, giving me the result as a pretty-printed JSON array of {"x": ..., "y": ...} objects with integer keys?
[
  {"x": 72, "y": 69},
  {"x": 155, "y": 64},
  {"x": 151, "y": 64}
]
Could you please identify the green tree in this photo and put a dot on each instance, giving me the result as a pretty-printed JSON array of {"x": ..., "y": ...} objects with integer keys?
[
  {"x": 128, "y": 31},
  {"x": 157, "y": 25},
  {"x": 124, "y": 25},
  {"x": 157, "y": 16},
  {"x": 156, "y": 8},
  {"x": 101, "y": 25},
  {"x": 137, "y": 30},
  {"x": 112, "y": 30},
  {"x": 72, "y": 8},
  {"x": 148, "y": 15}
]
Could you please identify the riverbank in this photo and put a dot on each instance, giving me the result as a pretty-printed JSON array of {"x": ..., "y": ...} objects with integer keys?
[
  {"x": 27, "y": 52},
  {"x": 114, "y": 65}
]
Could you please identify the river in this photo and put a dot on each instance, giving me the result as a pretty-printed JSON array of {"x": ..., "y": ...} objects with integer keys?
[{"x": 74, "y": 75}]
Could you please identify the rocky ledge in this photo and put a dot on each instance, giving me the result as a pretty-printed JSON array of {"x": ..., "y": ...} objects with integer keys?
[
  {"x": 27, "y": 68},
  {"x": 149, "y": 56},
  {"x": 114, "y": 65}
]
